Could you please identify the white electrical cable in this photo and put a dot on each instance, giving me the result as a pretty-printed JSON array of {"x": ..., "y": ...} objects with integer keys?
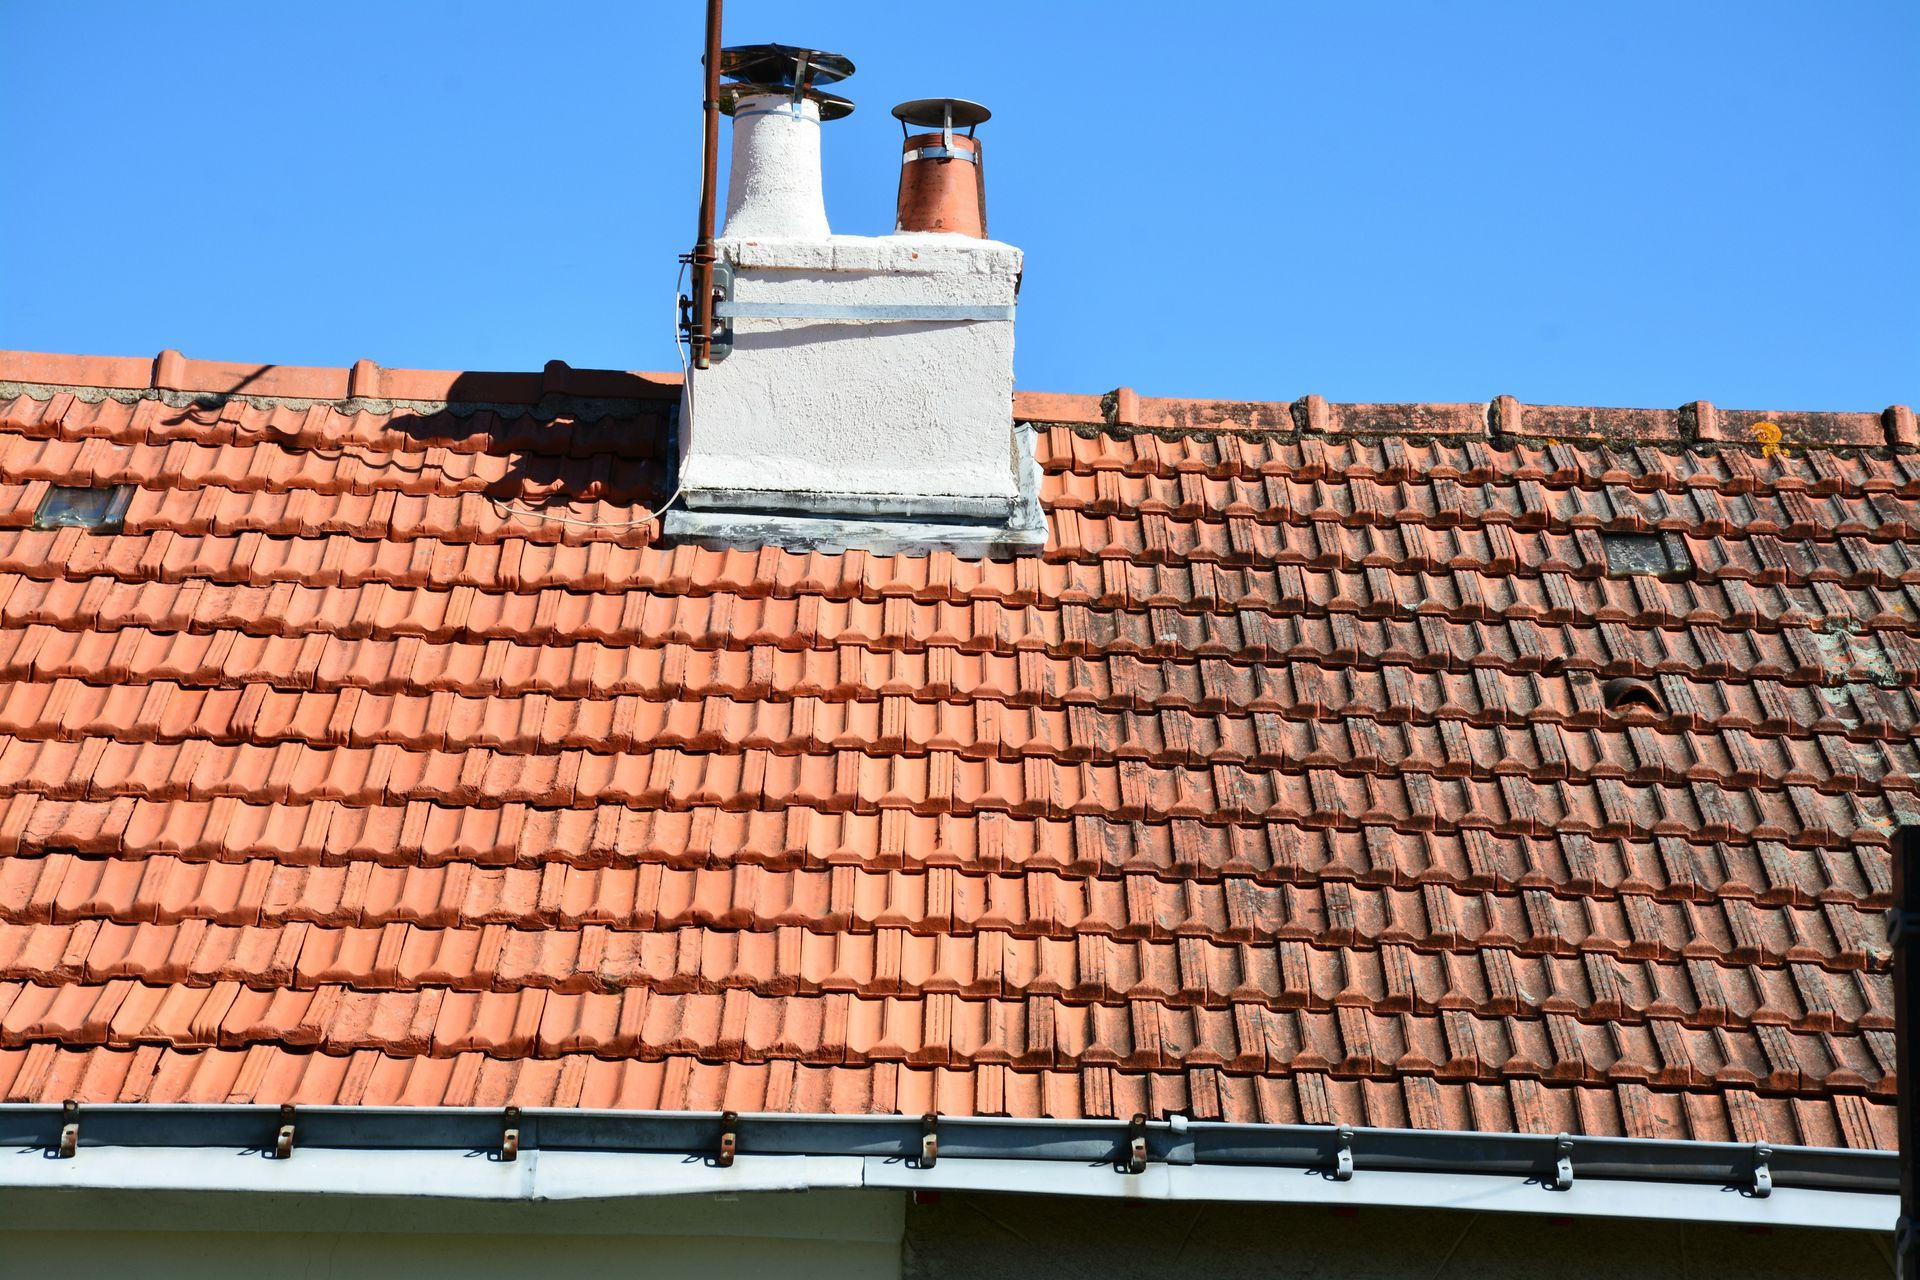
[{"x": 686, "y": 415}]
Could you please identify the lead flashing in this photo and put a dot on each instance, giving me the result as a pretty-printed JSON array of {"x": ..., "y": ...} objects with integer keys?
[{"x": 1022, "y": 532}]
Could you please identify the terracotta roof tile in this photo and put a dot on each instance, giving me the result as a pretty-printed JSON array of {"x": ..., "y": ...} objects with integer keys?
[{"x": 1283, "y": 787}]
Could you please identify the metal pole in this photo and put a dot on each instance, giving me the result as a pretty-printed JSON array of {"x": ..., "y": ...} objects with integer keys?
[
  {"x": 1903, "y": 928},
  {"x": 701, "y": 339}
]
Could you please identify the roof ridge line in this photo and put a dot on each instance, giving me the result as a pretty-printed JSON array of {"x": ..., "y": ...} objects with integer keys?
[
  {"x": 1504, "y": 418},
  {"x": 366, "y": 386},
  {"x": 549, "y": 406},
  {"x": 171, "y": 372}
]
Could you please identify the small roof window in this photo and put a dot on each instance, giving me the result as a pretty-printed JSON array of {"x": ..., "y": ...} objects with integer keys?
[
  {"x": 1659, "y": 555},
  {"x": 85, "y": 507}
]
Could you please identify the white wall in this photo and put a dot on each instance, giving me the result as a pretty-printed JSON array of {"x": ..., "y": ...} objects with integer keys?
[
  {"x": 831, "y": 1235},
  {"x": 267, "y": 1256},
  {"x": 985, "y": 1237},
  {"x": 841, "y": 416}
]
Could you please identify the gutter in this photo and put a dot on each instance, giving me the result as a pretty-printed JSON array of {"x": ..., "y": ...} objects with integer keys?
[{"x": 564, "y": 1154}]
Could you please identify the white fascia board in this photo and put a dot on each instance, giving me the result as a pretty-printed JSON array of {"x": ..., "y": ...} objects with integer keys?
[
  {"x": 571, "y": 1155},
  {"x": 435, "y": 1173},
  {"x": 606, "y": 1175},
  {"x": 1481, "y": 1193}
]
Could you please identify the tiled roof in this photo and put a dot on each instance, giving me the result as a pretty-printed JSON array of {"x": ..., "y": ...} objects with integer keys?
[{"x": 383, "y": 755}]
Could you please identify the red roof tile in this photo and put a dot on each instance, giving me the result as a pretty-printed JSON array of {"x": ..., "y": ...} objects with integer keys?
[{"x": 1283, "y": 787}]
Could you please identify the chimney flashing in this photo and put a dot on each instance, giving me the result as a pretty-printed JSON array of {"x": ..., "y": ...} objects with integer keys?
[{"x": 883, "y": 529}]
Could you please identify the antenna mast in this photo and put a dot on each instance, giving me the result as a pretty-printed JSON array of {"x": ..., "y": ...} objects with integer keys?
[{"x": 700, "y": 332}]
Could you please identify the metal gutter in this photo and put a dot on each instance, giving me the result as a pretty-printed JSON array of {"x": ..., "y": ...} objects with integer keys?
[{"x": 541, "y": 1154}]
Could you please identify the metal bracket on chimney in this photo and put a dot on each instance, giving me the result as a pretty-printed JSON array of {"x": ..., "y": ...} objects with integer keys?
[
  {"x": 939, "y": 153},
  {"x": 874, "y": 313},
  {"x": 720, "y": 343}
]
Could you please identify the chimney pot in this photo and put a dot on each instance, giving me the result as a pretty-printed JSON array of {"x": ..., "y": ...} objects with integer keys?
[
  {"x": 942, "y": 181},
  {"x": 773, "y": 185}
]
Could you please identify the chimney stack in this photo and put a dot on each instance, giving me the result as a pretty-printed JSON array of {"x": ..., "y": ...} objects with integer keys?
[
  {"x": 860, "y": 392},
  {"x": 942, "y": 184}
]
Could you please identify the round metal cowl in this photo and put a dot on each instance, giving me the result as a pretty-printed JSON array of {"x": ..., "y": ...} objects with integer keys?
[
  {"x": 832, "y": 105},
  {"x": 783, "y": 64},
  {"x": 931, "y": 113}
]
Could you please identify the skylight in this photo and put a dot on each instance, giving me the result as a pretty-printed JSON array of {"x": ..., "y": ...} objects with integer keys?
[
  {"x": 1659, "y": 555},
  {"x": 83, "y": 506}
]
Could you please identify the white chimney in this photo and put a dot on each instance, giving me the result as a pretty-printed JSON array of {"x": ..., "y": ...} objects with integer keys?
[
  {"x": 773, "y": 187},
  {"x": 861, "y": 390}
]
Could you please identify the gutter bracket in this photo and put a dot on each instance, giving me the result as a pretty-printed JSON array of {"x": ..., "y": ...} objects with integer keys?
[
  {"x": 1762, "y": 1172},
  {"x": 1180, "y": 1143},
  {"x": 510, "y": 1136},
  {"x": 1563, "y": 1165},
  {"x": 70, "y": 1131},
  {"x": 929, "y": 1140},
  {"x": 283, "y": 1141},
  {"x": 1137, "y": 1144},
  {"x": 1343, "y": 1154},
  {"x": 729, "y": 1140}
]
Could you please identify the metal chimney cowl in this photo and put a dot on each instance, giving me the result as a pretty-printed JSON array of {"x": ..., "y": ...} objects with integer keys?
[{"x": 861, "y": 393}]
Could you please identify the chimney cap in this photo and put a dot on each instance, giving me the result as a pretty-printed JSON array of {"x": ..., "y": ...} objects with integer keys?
[
  {"x": 832, "y": 105},
  {"x": 942, "y": 113},
  {"x": 783, "y": 65}
]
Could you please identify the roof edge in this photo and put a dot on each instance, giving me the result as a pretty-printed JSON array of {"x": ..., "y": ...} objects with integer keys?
[
  {"x": 359, "y": 1150},
  {"x": 1497, "y": 420},
  {"x": 365, "y": 380}
]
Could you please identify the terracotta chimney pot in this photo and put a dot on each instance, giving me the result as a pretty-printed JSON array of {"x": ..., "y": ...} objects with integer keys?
[{"x": 942, "y": 183}]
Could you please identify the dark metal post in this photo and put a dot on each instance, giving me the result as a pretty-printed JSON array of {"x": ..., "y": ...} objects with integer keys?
[
  {"x": 1904, "y": 933},
  {"x": 701, "y": 339}
]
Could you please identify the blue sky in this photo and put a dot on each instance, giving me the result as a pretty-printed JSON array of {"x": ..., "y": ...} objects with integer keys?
[{"x": 1618, "y": 203}]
